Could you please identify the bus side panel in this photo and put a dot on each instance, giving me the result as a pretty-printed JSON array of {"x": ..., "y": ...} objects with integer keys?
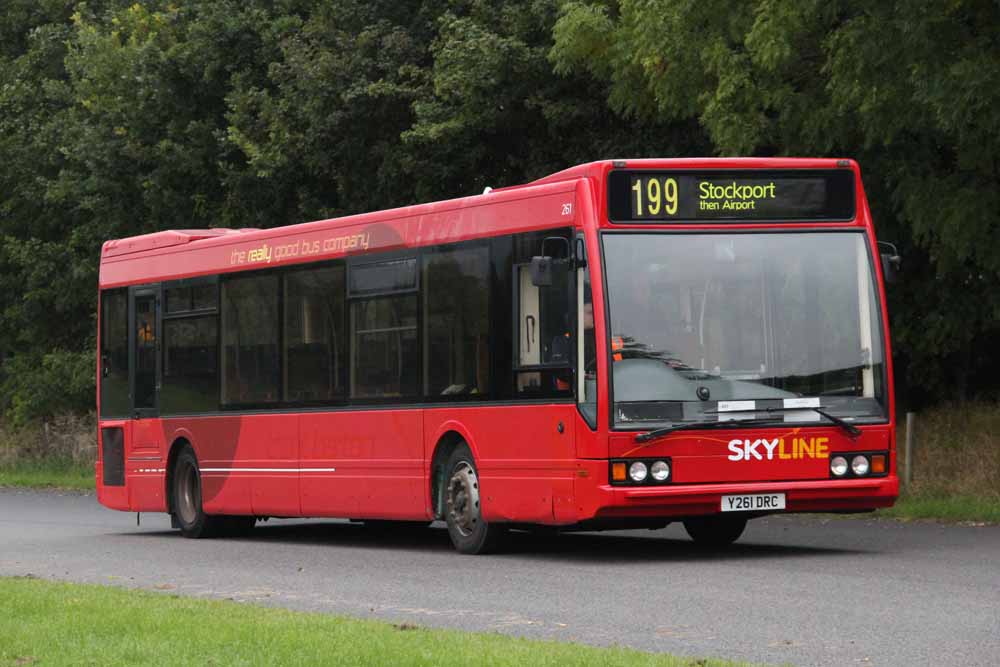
[
  {"x": 112, "y": 497},
  {"x": 146, "y": 492},
  {"x": 144, "y": 469},
  {"x": 526, "y": 465},
  {"x": 367, "y": 463},
  {"x": 590, "y": 443},
  {"x": 270, "y": 445},
  {"x": 220, "y": 447}
]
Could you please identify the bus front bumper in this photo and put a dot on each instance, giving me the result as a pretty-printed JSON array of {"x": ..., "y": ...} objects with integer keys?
[{"x": 682, "y": 500}]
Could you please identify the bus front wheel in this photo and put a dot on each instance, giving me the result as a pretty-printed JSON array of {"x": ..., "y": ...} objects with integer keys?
[
  {"x": 715, "y": 531},
  {"x": 186, "y": 503},
  {"x": 468, "y": 532}
]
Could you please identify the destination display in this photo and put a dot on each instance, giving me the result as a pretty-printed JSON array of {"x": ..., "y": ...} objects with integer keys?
[{"x": 685, "y": 196}]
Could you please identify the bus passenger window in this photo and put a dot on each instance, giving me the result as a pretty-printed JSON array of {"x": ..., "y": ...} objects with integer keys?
[
  {"x": 315, "y": 344},
  {"x": 190, "y": 378},
  {"x": 188, "y": 298},
  {"x": 250, "y": 361},
  {"x": 385, "y": 356},
  {"x": 456, "y": 321}
]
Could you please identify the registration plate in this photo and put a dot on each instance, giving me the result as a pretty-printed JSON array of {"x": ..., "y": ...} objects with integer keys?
[{"x": 753, "y": 502}]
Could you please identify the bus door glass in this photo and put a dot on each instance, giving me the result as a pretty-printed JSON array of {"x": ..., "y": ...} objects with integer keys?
[
  {"x": 545, "y": 323},
  {"x": 145, "y": 334}
]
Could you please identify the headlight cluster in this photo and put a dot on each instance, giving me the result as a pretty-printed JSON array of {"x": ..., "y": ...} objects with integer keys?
[
  {"x": 640, "y": 472},
  {"x": 858, "y": 464}
]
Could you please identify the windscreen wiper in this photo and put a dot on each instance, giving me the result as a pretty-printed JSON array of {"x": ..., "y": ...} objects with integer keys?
[
  {"x": 658, "y": 433},
  {"x": 849, "y": 428}
]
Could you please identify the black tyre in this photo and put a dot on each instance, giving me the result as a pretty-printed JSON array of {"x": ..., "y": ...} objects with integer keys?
[
  {"x": 186, "y": 503},
  {"x": 715, "y": 531},
  {"x": 468, "y": 532}
]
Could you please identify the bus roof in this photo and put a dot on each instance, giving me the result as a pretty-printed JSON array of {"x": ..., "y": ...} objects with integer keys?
[
  {"x": 598, "y": 168},
  {"x": 539, "y": 204},
  {"x": 173, "y": 254},
  {"x": 173, "y": 238}
]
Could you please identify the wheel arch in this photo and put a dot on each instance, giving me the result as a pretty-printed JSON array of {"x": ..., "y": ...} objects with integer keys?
[{"x": 449, "y": 437}]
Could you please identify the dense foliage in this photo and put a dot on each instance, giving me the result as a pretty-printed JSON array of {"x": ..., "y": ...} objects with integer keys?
[{"x": 118, "y": 119}]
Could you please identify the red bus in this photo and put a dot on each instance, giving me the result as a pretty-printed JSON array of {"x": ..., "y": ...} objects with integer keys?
[{"x": 622, "y": 344}]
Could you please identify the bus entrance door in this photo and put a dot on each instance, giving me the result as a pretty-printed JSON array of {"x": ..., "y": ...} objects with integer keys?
[{"x": 143, "y": 453}]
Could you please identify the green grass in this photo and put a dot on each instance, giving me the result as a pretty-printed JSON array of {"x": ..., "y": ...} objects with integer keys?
[
  {"x": 945, "y": 508},
  {"x": 956, "y": 465},
  {"x": 48, "y": 475},
  {"x": 46, "y": 623}
]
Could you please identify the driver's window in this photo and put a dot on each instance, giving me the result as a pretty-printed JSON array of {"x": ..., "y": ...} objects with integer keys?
[
  {"x": 542, "y": 305},
  {"x": 544, "y": 319}
]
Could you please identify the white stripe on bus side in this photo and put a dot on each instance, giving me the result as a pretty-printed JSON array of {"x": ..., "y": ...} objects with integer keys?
[{"x": 268, "y": 470}]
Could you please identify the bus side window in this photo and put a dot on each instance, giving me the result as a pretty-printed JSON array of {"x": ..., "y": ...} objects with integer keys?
[
  {"x": 456, "y": 321},
  {"x": 250, "y": 360},
  {"x": 385, "y": 355},
  {"x": 114, "y": 353},
  {"x": 315, "y": 342},
  {"x": 544, "y": 320},
  {"x": 587, "y": 349},
  {"x": 190, "y": 333},
  {"x": 528, "y": 337}
]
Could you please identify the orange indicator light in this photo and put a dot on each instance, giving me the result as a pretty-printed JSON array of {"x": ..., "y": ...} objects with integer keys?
[
  {"x": 878, "y": 463},
  {"x": 618, "y": 472}
]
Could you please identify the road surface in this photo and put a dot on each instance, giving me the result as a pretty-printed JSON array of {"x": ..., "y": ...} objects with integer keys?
[{"x": 803, "y": 591}]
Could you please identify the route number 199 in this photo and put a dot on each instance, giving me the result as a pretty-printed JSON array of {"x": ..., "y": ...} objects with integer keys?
[{"x": 653, "y": 196}]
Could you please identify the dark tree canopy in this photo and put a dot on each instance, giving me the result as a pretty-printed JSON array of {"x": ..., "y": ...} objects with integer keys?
[{"x": 120, "y": 118}]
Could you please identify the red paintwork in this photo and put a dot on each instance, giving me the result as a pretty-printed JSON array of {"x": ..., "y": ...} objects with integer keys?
[{"x": 529, "y": 471}]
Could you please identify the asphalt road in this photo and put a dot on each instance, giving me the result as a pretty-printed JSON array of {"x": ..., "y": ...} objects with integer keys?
[{"x": 805, "y": 591}]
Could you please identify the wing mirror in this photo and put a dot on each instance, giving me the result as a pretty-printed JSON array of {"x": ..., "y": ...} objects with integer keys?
[
  {"x": 541, "y": 271},
  {"x": 543, "y": 265},
  {"x": 891, "y": 262}
]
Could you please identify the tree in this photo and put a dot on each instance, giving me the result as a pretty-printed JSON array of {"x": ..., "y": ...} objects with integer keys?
[
  {"x": 910, "y": 88},
  {"x": 120, "y": 118},
  {"x": 495, "y": 115}
]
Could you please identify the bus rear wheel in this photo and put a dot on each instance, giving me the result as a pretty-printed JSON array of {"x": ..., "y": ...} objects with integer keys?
[
  {"x": 715, "y": 531},
  {"x": 187, "y": 508},
  {"x": 463, "y": 513}
]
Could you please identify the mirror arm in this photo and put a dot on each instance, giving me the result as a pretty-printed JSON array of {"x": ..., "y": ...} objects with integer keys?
[
  {"x": 580, "y": 255},
  {"x": 558, "y": 239}
]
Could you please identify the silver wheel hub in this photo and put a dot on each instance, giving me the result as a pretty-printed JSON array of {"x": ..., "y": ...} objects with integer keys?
[{"x": 463, "y": 499}]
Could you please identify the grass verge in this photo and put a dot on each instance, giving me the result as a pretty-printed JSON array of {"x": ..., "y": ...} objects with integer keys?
[
  {"x": 956, "y": 465},
  {"x": 48, "y": 623},
  {"x": 945, "y": 508},
  {"x": 48, "y": 475}
]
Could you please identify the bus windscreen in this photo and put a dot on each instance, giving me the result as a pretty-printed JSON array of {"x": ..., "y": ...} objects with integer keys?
[{"x": 737, "y": 196}]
